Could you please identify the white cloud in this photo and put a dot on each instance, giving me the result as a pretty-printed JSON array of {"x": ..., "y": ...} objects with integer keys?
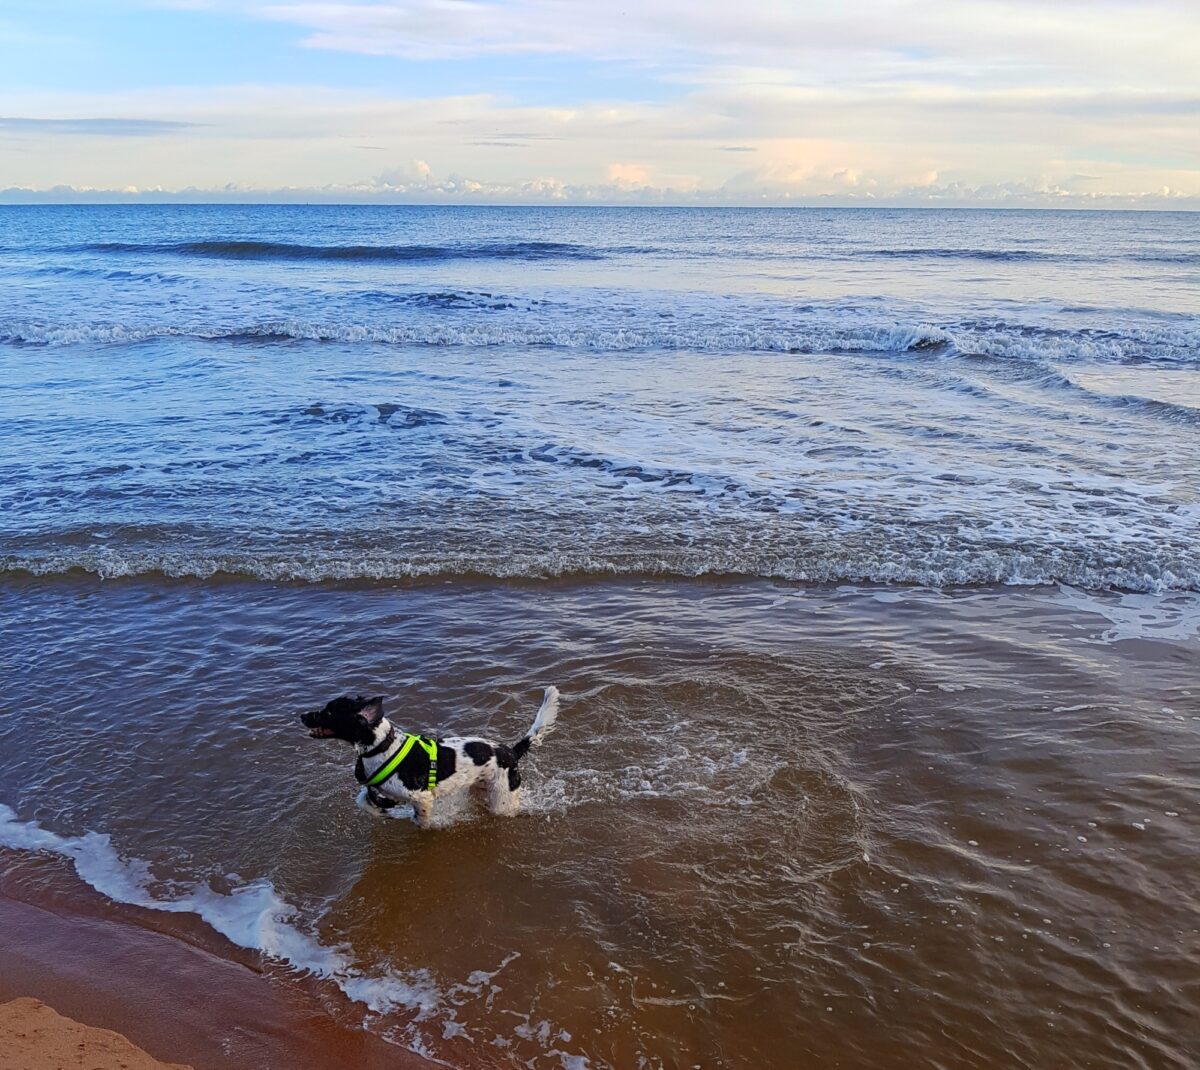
[
  {"x": 628, "y": 175},
  {"x": 98, "y": 127},
  {"x": 764, "y": 98},
  {"x": 1117, "y": 40},
  {"x": 417, "y": 183},
  {"x": 277, "y": 136},
  {"x": 797, "y": 138}
]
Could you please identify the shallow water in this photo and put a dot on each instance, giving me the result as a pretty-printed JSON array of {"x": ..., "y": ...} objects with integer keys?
[
  {"x": 776, "y": 825},
  {"x": 864, "y": 547}
]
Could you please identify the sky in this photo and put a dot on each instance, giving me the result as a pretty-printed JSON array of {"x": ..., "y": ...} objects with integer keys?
[{"x": 1021, "y": 103}]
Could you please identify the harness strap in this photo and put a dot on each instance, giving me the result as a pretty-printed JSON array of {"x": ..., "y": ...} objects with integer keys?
[
  {"x": 392, "y": 764},
  {"x": 429, "y": 746}
]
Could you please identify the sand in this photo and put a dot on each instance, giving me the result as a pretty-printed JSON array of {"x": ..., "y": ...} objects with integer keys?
[
  {"x": 178, "y": 993},
  {"x": 36, "y": 1037}
]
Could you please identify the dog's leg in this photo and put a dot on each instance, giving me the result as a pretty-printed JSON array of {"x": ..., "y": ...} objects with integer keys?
[
  {"x": 505, "y": 801},
  {"x": 423, "y": 809},
  {"x": 504, "y": 792},
  {"x": 364, "y": 803}
]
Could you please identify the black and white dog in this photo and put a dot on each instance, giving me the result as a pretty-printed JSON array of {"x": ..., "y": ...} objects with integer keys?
[{"x": 394, "y": 767}]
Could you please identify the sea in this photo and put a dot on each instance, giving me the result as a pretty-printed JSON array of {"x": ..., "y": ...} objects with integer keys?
[{"x": 863, "y": 544}]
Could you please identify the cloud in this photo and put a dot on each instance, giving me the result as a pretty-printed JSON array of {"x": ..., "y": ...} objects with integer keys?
[
  {"x": 1005, "y": 39},
  {"x": 669, "y": 98},
  {"x": 417, "y": 183},
  {"x": 94, "y": 127},
  {"x": 628, "y": 175},
  {"x": 797, "y": 141}
]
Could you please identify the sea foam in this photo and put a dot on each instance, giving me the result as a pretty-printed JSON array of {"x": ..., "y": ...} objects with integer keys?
[
  {"x": 252, "y": 916},
  {"x": 832, "y": 333},
  {"x": 1011, "y": 566}
]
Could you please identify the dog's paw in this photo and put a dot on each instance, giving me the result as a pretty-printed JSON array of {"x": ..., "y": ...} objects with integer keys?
[{"x": 363, "y": 802}]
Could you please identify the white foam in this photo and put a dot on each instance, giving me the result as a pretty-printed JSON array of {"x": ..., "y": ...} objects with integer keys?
[
  {"x": 252, "y": 916},
  {"x": 833, "y": 337},
  {"x": 834, "y": 331},
  {"x": 255, "y": 917},
  {"x": 966, "y": 566}
]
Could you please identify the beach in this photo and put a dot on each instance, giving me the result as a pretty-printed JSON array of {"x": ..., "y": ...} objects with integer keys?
[
  {"x": 864, "y": 550},
  {"x": 37, "y": 1038},
  {"x": 177, "y": 994}
]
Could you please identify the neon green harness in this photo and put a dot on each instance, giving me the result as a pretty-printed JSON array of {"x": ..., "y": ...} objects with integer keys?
[{"x": 429, "y": 746}]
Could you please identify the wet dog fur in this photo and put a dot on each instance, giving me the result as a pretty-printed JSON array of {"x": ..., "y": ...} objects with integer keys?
[{"x": 463, "y": 762}]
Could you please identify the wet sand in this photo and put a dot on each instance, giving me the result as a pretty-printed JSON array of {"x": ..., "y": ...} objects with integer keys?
[
  {"x": 181, "y": 994},
  {"x": 777, "y": 826},
  {"x": 34, "y": 1036}
]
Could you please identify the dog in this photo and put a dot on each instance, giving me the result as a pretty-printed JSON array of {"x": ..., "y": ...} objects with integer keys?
[{"x": 397, "y": 768}]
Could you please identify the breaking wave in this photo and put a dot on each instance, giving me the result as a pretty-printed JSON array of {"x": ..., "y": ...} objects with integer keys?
[
  {"x": 251, "y": 915},
  {"x": 882, "y": 338},
  {"x": 1098, "y": 569},
  {"x": 1176, "y": 343}
]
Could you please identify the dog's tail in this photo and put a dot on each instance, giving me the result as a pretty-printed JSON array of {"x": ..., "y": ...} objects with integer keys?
[{"x": 547, "y": 714}]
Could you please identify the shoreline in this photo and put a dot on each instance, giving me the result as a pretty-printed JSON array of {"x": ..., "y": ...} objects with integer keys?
[
  {"x": 36, "y": 1037},
  {"x": 22, "y": 579},
  {"x": 17, "y": 571},
  {"x": 185, "y": 999},
  {"x": 941, "y": 783}
]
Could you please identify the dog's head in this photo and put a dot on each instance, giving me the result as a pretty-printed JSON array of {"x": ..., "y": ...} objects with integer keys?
[{"x": 351, "y": 719}]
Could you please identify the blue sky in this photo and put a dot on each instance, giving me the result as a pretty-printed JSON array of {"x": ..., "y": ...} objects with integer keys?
[
  {"x": 765, "y": 101},
  {"x": 98, "y": 47}
]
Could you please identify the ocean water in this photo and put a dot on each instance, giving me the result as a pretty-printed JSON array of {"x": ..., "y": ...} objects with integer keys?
[
  {"x": 863, "y": 545},
  {"x": 311, "y": 393}
]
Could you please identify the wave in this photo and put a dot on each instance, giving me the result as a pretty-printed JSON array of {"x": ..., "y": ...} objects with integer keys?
[
  {"x": 251, "y": 916},
  {"x": 270, "y": 250},
  {"x": 1099, "y": 569},
  {"x": 1014, "y": 255},
  {"x": 1176, "y": 411},
  {"x": 850, "y": 252},
  {"x": 113, "y": 274},
  {"x": 451, "y": 300},
  {"x": 869, "y": 339},
  {"x": 255, "y": 917},
  {"x": 1026, "y": 256},
  {"x": 1170, "y": 344}
]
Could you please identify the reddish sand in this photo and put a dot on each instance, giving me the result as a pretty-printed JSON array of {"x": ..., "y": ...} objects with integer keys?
[
  {"x": 108, "y": 967},
  {"x": 36, "y": 1037}
]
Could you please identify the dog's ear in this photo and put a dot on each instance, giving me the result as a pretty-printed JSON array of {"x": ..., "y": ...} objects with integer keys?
[{"x": 372, "y": 711}]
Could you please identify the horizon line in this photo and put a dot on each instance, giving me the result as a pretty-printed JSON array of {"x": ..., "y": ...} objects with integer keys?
[{"x": 137, "y": 202}]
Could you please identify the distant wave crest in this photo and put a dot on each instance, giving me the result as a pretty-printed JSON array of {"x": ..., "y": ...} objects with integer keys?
[
  {"x": 1154, "y": 256},
  {"x": 271, "y": 250},
  {"x": 963, "y": 254}
]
